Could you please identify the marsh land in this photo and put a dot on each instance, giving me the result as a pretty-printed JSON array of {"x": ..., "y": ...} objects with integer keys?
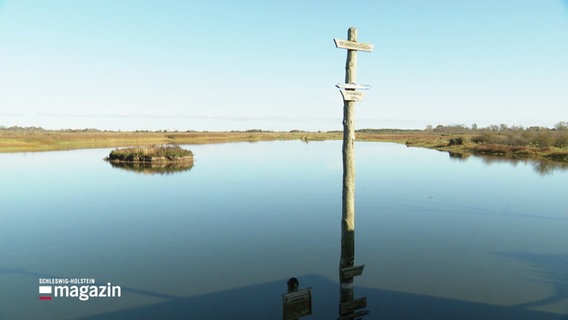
[{"x": 495, "y": 141}]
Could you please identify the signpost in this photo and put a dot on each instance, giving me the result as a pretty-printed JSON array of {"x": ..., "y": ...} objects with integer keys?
[
  {"x": 349, "y": 305},
  {"x": 353, "y": 86},
  {"x": 296, "y": 303},
  {"x": 351, "y": 95},
  {"x": 353, "y": 45},
  {"x": 355, "y": 315}
]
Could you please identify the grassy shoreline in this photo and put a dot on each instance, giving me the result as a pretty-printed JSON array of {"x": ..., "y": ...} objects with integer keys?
[
  {"x": 458, "y": 143},
  {"x": 464, "y": 145},
  {"x": 48, "y": 140}
]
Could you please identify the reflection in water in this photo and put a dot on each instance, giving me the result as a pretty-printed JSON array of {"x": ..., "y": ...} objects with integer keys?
[
  {"x": 153, "y": 167},
  {"x": 297, "y": 304},
  {"x": 542, "y": 167},
  {"x": 548, "y": 167},
  {"x": 459, "y": 156},
  {"x": 349, "y": 306}
]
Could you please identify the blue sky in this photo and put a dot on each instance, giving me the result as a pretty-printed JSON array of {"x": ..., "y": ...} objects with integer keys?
[{"x": 237, "y": 65}]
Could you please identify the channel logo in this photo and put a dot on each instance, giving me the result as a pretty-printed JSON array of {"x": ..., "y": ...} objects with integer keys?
[
  {"x": 45, "y": 293},
  {"x": 82, "y": 289}
]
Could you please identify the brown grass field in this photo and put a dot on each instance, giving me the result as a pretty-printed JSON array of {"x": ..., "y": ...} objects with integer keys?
[{"x": 47, "y": 140}]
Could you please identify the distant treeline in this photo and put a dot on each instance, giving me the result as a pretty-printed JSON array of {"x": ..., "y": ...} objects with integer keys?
[
  {"x": 16, "y": 128},
  {"x": 460, "y": 128},
  {"x": 29, "y": 129}
]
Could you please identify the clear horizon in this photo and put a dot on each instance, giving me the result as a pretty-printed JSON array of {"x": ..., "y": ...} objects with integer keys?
[{"x": 227, "y": 65}]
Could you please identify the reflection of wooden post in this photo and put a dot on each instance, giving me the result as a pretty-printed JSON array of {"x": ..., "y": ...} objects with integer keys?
[{"x": 346, "y": 263}]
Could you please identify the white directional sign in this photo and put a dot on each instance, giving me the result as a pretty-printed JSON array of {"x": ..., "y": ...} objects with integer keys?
[
  {"x": 353, "y": 86},
  {"x": 352, "y": 45},
  {"x": 351, "y": 95}
]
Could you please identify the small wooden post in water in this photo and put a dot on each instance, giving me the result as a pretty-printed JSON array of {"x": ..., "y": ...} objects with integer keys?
[
  {"x": 296, "y": 303},
  {"x": 348, "y": 195}
]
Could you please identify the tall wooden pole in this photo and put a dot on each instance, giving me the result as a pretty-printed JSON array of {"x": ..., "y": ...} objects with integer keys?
[
  {"x": 347, "y": 305},
  {"x": 348, "y": 195}
]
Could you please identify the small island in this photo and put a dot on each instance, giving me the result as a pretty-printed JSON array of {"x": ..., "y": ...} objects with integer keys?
[
  {"x": 152, "y": 159},
  {"x": 151, "y": 154}
]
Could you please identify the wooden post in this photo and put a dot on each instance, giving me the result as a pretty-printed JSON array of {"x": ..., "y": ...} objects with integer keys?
[
  {"x": 348, "y": 195},
  {"x": 293, "y": 285},
  {"x": 346, "y": 263}
]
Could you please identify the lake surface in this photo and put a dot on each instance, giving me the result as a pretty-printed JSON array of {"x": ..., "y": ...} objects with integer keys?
[{"x": 441, "y": 238}]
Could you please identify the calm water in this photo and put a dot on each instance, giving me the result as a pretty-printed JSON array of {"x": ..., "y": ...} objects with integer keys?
[{"x": 441, "y": 238}]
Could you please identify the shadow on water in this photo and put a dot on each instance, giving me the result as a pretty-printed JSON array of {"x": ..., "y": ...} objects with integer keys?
[
  {"x": 262, "y": 301},
  {"x": 153, "y": 168},
  {"x": 551, "y": 269}
]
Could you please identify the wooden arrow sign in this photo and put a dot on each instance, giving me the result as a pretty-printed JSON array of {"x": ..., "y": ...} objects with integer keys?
[
  {"x": 297, "y": 304},
  {"x": 350, "y": 306},
  {"x": 355, "y": 315},
  {"x": 353, "y": 45},
  {"x": 353, "y": 86},
  {"x": 352, "y": 271},
  {"x": 351, "y": 95}
]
